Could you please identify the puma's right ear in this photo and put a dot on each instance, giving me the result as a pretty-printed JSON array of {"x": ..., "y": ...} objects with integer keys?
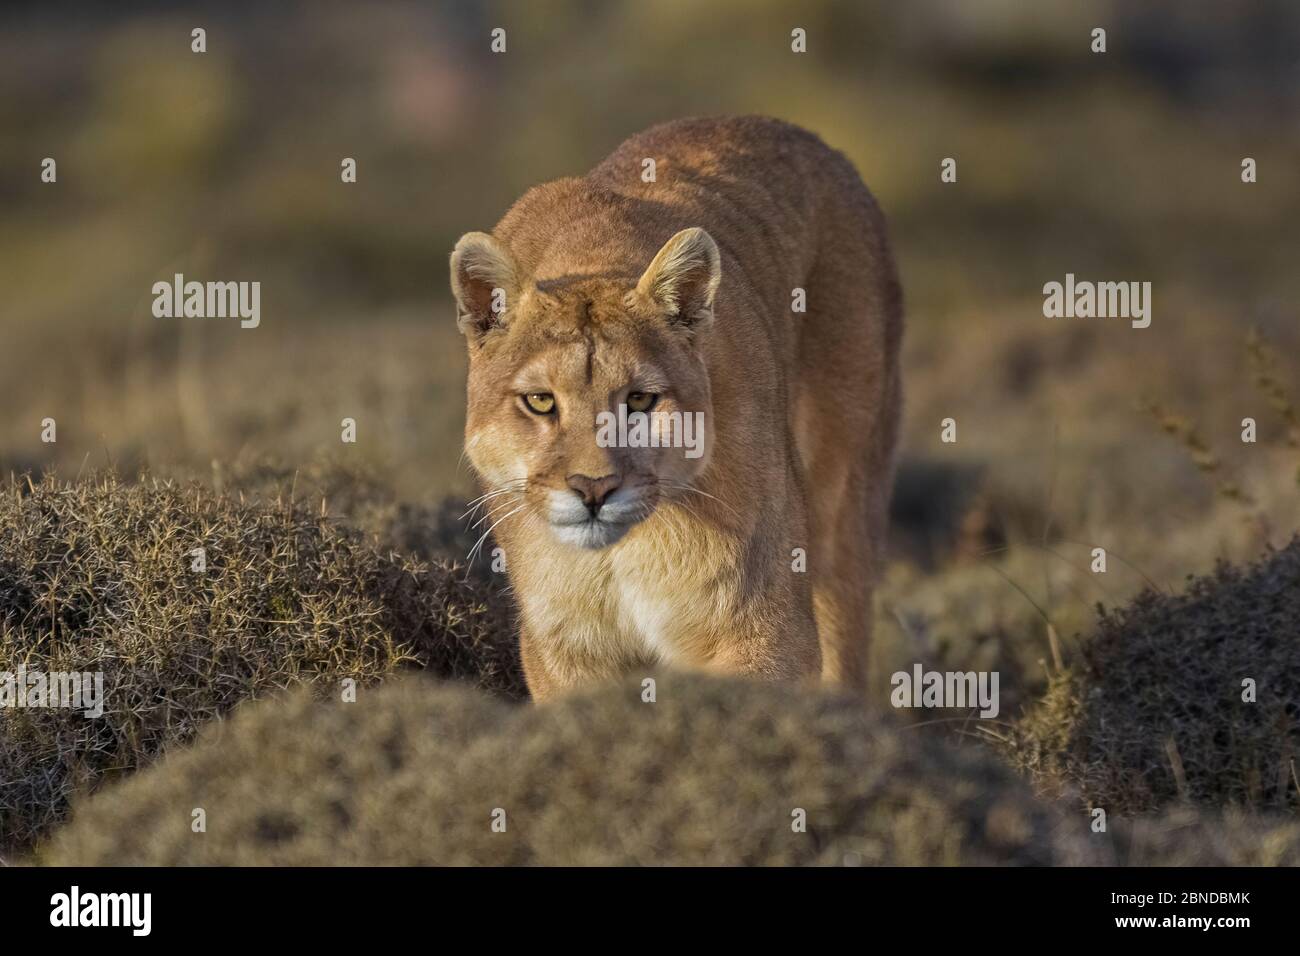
[{"x": 483, "y": 281}]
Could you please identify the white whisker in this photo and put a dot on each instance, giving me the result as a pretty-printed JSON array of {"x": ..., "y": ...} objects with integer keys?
[{"x": 479, "y": 544}]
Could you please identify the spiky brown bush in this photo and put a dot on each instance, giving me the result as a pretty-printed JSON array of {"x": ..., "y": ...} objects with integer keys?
[
  {"x": 711, "y": 772},
  {"x": 443, "y": 531},
  {"x": 1153, "y": 713},
  {"x": 95, "y": 576}
]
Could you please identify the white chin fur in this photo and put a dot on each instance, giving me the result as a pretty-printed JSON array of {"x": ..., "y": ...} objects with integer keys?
[{"x": 591, "y": 534}]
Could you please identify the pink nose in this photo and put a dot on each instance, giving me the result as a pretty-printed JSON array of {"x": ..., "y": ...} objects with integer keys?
[{"x": 593, "y": 491}]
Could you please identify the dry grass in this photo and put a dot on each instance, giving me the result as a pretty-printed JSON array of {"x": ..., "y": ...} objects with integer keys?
[
  {"x": 413, "y": 772},
  {"x": 1185, "y": 837},
  {"x": 96, "y": 576},
  {"x": 709, "y": 773}
]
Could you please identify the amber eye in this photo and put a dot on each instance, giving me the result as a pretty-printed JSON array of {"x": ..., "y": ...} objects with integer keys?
[
  {"x": 641, "y": 401},
  {"x": 540, "y": 403}
]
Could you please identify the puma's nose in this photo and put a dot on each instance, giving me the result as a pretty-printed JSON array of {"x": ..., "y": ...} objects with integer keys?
[{"x": 594, "y": 491}]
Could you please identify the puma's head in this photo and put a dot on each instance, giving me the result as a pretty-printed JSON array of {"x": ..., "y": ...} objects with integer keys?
[{"x": 559, "y": 369}]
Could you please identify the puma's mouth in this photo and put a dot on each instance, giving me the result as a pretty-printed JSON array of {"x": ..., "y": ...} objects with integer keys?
[
  {"x": 593, "y": 533},
  {"x": 574, "y": 523}
]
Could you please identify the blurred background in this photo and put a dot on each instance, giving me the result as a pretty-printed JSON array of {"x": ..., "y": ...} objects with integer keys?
[{"x": 1072, "y": 434}]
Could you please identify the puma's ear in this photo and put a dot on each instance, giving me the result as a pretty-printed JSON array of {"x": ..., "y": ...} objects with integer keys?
[
  {"x": 483, "y": 281},
  {"x": 683, "y": 278}
]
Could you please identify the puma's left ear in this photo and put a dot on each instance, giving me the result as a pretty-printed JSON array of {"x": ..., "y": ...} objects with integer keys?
[{"x": 683, "y": 278}]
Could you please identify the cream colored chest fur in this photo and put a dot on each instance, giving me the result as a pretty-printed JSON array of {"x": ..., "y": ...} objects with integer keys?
[{"x": 658, "y": 596}]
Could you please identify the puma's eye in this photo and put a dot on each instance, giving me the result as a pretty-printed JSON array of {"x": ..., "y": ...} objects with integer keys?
[
  {"x": 641, "y": 401},
  {"x": 540, "y": 403}
]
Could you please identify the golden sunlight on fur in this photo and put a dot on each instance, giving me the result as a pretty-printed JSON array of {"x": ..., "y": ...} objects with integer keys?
[{"x": 606, "y": 308}]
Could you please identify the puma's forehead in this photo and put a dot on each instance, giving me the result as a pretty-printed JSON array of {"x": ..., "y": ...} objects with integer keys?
[
  {"x": 589, "y": 362},
  {"x": 566, "y": 310}
]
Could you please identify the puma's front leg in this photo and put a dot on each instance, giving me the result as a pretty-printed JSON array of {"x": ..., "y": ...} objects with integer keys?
[
  {"x": 536, "y": 674},
  {"x": 552, "y": 666},
  {"x": 773, "y": 647}
]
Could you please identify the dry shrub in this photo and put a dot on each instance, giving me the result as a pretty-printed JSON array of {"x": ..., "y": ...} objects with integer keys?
[
  {"x": 1153, "y": 713},
  {"x": 1180, "y": 836},
  {"x": 712, "y": 772},
  {"x": 96, "y": 576},
  {"x": 1183, "y": 837},
  {"x": 360, "y": 495}
]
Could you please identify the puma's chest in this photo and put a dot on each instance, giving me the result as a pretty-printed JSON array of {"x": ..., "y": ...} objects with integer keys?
[{"x": 627, "y": 603}]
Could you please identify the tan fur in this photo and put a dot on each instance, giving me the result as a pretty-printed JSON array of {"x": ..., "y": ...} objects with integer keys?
[{"x": 683, "y": 287}]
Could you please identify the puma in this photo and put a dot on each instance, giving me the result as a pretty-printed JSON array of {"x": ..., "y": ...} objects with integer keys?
[{"x": 609, "y": 294}]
